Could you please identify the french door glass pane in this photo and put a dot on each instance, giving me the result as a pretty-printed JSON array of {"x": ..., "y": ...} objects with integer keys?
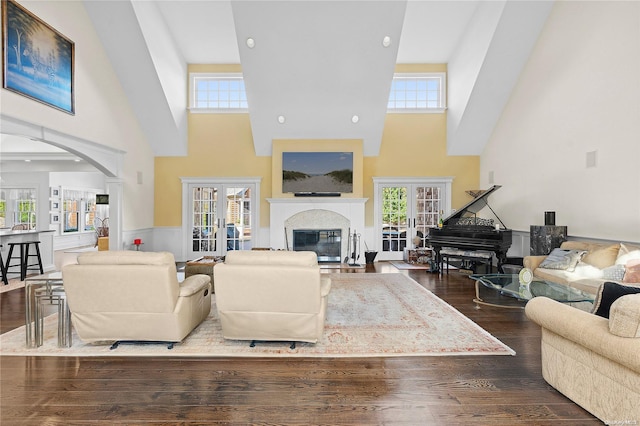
[
  {"x": 238, "y": 218},
  {"x": 204, "y": 219},
  {"x": 394, "y": 218},
  {"x": 428, "y": 206}
]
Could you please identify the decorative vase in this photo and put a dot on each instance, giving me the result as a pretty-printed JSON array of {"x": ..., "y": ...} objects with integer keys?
[{"x": 550, "y": 218}]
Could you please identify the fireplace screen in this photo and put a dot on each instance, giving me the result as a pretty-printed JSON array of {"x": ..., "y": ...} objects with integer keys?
[{"x": 325, "y": 242}]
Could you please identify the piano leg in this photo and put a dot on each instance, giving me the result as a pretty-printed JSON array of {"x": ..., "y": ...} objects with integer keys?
[
  {"x": 438, "y": 258},
  {"x": 501, "y": 256}
]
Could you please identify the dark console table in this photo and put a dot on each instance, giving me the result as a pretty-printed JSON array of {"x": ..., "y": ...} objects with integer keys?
[{"x": 544, "y": 238}]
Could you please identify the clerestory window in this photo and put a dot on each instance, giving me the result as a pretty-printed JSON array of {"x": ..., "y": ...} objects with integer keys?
[
  {"x": 418, "y": 93},
  {"x": 214, "y": 92}
]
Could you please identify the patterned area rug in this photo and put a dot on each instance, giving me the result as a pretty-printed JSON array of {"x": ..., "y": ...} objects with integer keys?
[{"x": 379, "y": 315}]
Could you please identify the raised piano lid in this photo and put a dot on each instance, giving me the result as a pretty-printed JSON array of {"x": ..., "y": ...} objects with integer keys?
[{"x": 474, "y": 206}]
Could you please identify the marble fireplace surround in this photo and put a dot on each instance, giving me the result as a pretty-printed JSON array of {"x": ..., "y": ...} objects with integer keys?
[{"x": 346, "y": 214}]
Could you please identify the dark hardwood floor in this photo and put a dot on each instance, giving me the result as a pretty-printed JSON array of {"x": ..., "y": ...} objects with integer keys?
[{"x": 467, "y": 390}]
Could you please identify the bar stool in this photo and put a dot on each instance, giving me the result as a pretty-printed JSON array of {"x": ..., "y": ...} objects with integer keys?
[
  {"x": 54, "y": 295},
  {"x": 2, "y": 268},
  {"x": 23, "y": 263}
]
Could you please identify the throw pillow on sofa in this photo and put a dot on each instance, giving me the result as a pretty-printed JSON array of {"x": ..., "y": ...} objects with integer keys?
[
  {"x": 632, "y": 274},
  {"x": 614, "y": 272},
  {"x": 607, "y": 294},
  {"x": 627, "y": 252},
  {"x": 561, "y": 259},
  {"x": 602, "y": 257}
]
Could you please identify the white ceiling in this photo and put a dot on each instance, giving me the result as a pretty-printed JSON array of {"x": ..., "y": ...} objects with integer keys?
[
  {"x": 205, "y": 31},
  {"x": 318, "y": 63}
]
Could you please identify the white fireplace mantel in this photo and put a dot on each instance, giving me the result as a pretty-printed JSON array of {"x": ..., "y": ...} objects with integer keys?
[{"x": 282, "y": 209}]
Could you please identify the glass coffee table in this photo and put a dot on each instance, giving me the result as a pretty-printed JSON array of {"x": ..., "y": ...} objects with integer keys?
[{"x": 511, "y": 285}]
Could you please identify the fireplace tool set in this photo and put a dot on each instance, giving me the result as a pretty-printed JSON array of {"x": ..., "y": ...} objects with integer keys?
[{"x": 353, "y": 248}]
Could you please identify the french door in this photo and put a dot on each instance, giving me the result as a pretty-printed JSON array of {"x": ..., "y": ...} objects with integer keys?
[
  {"x": 405, "y": 210},
  {"x": 219, "y": 215}
]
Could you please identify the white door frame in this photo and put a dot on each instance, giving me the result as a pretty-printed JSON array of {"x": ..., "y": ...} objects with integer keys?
[
  {"x": 380, "y": 182},
  {"x": 223, "y": 182}
]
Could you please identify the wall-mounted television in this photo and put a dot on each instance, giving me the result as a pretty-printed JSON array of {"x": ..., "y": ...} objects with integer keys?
[
  {"x": 317, "y": 172},
  {"x": 102, "y": 198}
]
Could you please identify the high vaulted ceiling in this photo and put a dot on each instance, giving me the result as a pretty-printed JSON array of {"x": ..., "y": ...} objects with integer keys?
[{"x": 318, "y": 63}]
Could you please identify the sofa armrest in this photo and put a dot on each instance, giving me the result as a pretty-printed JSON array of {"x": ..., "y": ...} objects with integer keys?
[
  {"x": 532, "y": 262},
  {"x": 585, "y": 329},
  {"x": 193, "y": 284}
]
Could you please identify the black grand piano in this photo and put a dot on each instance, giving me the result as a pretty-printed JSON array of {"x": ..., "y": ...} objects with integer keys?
[{"x": 463, "y": 230}]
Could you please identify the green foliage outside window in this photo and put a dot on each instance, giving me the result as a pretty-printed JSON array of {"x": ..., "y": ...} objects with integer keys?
[
  {"x": 26, "y": 213},
  {"x": 394, "y": 205},
  {"x": 3, "y": 213}
]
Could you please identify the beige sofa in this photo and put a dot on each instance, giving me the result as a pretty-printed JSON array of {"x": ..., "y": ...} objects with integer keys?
[
  {"x": 271, "y": 296},
  {"x": 601, "y": 262},
  {"x": 133, "y": 296},
  {"x": 586, "y": 357}
]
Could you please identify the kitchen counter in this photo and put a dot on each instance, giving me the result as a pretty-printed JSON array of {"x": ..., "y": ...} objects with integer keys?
[{"x": 45, "y": 236}]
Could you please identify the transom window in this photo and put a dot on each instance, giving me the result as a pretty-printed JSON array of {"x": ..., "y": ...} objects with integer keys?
[
  {"x": 214, "y": 92},
  {"x": 418, "y": 93},
  {"x": 217, "y": 93}
]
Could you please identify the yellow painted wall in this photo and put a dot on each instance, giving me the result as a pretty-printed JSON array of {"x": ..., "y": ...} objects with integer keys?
[
  {"x": 415, "y": 145},
  {"x": 221, "y": 145}
]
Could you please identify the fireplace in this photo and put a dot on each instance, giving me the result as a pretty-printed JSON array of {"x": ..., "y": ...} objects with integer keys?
[
  {"x": 326, "y": 243},
  {"x": 322, "y": 213}
]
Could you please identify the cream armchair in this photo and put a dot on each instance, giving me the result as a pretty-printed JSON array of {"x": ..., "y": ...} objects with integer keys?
[
  {"x": 133, "y": 296},
  {"x": 592, "y": 360},
  {"x": 271, "y": 296}
]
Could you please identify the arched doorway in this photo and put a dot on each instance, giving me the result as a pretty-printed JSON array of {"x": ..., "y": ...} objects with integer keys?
[{"x": 105, "y": 159}]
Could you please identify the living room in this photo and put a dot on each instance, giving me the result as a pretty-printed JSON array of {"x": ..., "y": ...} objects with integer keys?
[{"x": 565, "y": 140}]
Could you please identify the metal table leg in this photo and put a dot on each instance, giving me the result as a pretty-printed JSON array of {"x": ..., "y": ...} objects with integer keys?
[
  {"x": 53, "y": 296},
  {"x": 31, "y": 285}
]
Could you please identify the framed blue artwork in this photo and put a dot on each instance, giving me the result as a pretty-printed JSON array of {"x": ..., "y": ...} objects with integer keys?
[{"x": 38, "y": 61}]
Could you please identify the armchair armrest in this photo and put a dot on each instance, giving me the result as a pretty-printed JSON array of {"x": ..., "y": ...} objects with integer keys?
[
  {"x": 325, "y": 286},
  {"x": 532, "y": 262},
  {"x": 587, "y": 330},
  {"x": 194, "y": 284}
]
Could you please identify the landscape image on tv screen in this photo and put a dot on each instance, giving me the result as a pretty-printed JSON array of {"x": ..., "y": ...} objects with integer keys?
[{"x": 317, "y": 172}]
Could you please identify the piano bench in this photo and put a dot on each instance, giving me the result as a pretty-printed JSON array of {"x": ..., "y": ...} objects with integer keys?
[{"x": 482, "y": 257}]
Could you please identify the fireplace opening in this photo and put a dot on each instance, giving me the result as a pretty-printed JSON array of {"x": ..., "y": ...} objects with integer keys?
[{"x": 326, "y": 243}]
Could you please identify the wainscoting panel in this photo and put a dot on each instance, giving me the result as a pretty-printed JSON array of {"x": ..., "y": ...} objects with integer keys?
[
  {"x": 163, "y": 239},
  {"x": 146, "y": 235},
  {"x": 520, "y": 244}
]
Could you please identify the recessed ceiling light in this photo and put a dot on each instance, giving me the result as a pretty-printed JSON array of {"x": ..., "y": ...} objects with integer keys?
[
  {"x": 281, "y": 119},
  {"x": 27, "y": 161},
  {"x": 355, "y": 119},
  {"x": 251, "y": 43},
  {"x": 386, "y": 41},
  {"x": 77, "y": 160}
]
